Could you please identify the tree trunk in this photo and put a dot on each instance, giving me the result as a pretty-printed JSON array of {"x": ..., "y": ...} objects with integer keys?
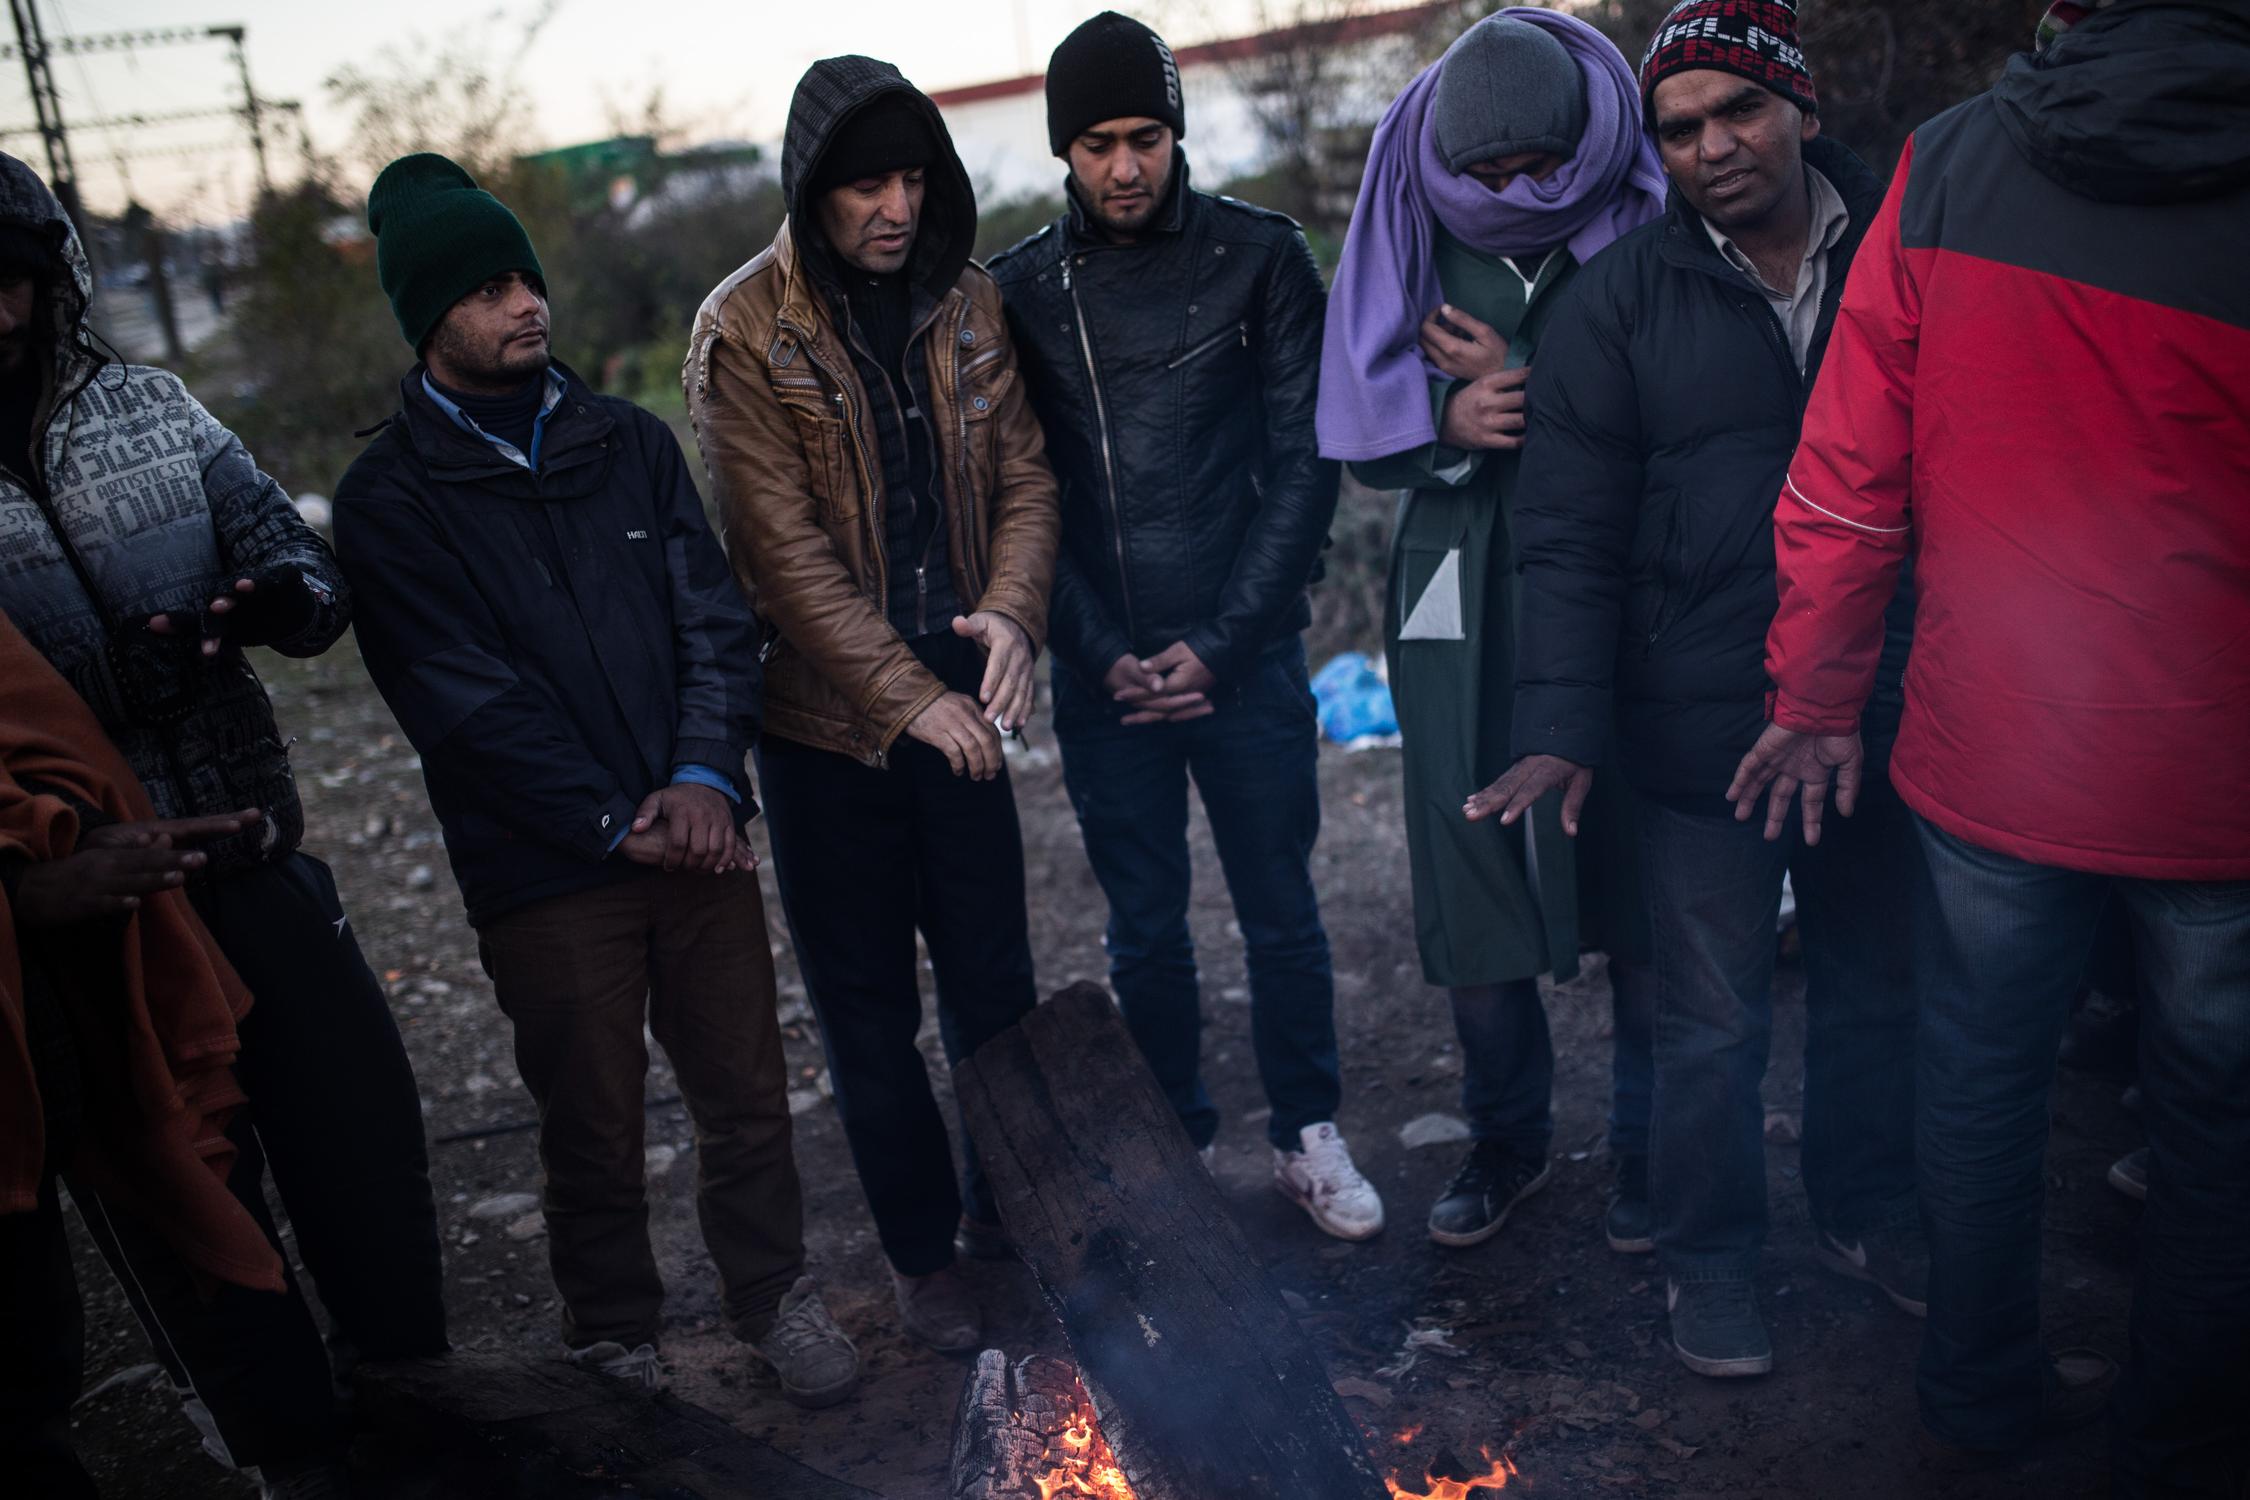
[{"x": 1204, "y": 1383}]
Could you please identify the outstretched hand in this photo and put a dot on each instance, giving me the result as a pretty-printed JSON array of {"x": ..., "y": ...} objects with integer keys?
[
  {"x": 1526, "y": 782},
  {"x": 1785, "y": 764}
]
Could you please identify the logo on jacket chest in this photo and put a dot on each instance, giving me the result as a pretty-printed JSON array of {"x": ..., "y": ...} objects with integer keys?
[{"x": 636, "y": 536}]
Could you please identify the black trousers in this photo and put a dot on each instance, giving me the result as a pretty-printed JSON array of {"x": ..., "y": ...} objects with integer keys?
[
  {"x": 335, "y": 1113},
  {"x": 864, "y": 858}
]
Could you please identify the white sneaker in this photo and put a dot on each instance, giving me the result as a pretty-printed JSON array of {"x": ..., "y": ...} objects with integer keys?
[
  {"x": 1322, "y": 1181},
  {"x": 634, "y": 1367}
]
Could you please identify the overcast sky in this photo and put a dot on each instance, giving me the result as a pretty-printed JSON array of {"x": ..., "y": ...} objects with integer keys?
[{"x": 726, "y": 66}]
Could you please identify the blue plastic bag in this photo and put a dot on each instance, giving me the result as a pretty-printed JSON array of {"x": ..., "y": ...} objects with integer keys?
[{"x": 1353, "y": 700}]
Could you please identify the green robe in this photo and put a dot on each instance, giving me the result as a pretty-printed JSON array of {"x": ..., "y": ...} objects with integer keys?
[{"x": 1491, "y": 904}]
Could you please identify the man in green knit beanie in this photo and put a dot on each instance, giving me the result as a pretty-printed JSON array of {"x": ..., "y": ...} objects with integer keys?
[{"x": 545, "y": 610}]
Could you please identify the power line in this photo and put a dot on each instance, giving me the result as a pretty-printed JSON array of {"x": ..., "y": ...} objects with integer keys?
[
  {"x": 170, "y": 117},
  {"x": 123, "y": 41}
]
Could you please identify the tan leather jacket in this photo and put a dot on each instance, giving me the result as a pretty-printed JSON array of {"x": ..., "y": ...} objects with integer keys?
[{"x": 783, "y": 423}]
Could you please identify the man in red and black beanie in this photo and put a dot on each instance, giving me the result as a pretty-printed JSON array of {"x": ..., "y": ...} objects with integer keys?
[
  {"x": 1664, "y": 406},
  {"x": 1756, "y": 39}
]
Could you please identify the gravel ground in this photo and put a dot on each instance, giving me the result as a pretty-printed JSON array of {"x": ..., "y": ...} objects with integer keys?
[{"x": 1557, "y": 1345}]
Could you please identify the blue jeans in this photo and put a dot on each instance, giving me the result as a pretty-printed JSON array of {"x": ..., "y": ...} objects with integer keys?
[
  {"x": 1508, "y": 1061},
  {"x": 1252, "y": 761},
  {"x": 2009, "y": 941},
  {"x": 1714, "y": 888}
]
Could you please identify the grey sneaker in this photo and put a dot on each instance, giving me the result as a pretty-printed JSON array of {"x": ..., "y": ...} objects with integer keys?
[
  {"x": 1896, "y": 1260},
  {"x": 304, "y": 1482},
  {"x": 1716, "y": 1329},
  {"x": 818, "y": 1366},
  {"x": 636, "y": 1367},
  {"x": 939, "y": 1310},
  {"x": 1630, "y": 1224},
  {"x": 2129, "y": 1175}
]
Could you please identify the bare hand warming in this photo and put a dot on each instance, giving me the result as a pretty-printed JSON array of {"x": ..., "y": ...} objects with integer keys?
[
  {"x": 1526, "y": 782},
  {"x": 955, "y": 724},
  {"x": 1487, "y": 413},
  {"x": 696, "y": 824},
  {"x": 1006, "y": 692},
  {"x": 1466, "y": 350},
  {"x": 1791, "y": 763},
  {"x": 117, "y": 864}
]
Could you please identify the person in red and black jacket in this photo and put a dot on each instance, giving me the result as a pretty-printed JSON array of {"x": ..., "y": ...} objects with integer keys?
[{"x": 2039, "y": 385}]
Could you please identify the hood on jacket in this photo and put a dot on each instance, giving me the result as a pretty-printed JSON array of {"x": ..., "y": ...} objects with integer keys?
[
  {"x": 831, "y": 92},
  {"x": 2140, "y": 103},
  {"x": 28, "y": 203}
]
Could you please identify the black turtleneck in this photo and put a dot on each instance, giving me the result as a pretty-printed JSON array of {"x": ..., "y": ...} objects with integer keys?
[{"x": 509, "y": 417}]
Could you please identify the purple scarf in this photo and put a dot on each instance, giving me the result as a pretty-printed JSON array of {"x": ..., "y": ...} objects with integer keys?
[{"x": 1374, "y": 383}]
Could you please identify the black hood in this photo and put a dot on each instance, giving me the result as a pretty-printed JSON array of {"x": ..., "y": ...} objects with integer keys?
[
  {"x": 2146, "y": 102},
  {"x": 831, "y": 92},
  {"x": 26, "y": 203}
]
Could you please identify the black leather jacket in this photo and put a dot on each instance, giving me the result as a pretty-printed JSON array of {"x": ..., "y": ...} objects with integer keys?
[{"x": 1175, "y": 378}]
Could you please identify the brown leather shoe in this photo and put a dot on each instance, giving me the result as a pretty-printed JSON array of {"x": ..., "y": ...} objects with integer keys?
[{"x": 939, "y": 1310}]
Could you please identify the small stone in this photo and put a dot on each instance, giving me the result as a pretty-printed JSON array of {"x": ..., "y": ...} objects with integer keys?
[
  {"x": 1650, "y": 1420},
  {"x": 1296, "y": 1301},
  {"x": 505, "y": 1206},
  {"x": 801, "y": 1100},
  {"x": 1432, "y": 1130},
  {"x": 378, "y": 825},
  {"x": 529, "y": 1227},
  {"x": 421, "y": 878},
  {"x": 1576, "y": 1349},
  {"x": 523, "y": 1300},
  {"x": 660, "y": 1158}
]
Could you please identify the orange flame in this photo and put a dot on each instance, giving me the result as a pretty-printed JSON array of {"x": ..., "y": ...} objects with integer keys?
[
  {"x": 1407, "y": 1435},
  {"x": 1089, "y": 1467},
  {"x": 1494, "y": 1478}
]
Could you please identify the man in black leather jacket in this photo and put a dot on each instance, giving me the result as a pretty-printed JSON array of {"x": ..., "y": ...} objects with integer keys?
[{"x": 1171, "y": 340}]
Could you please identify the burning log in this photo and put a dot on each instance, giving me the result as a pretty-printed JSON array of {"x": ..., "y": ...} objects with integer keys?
[
  {"x": 1031, "y": 1434},
  {"x": 1204, "y": 1383}
]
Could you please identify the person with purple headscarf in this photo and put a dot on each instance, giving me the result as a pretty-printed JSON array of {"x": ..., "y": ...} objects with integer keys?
[{"x": 1514, "y": 159}]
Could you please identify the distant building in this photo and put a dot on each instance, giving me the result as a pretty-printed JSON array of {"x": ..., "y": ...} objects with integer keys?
[{"x": 1239, "y": 93}]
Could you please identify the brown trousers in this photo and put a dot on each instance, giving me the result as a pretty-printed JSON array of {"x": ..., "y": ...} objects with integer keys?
[{"x": 575, "y": 974}]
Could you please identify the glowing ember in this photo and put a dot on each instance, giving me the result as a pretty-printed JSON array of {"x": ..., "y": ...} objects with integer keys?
[
  {"x": 1495, "y": 1478},
  {"x": 1407, "y": 1435},
  {"x": 1088, "y": 1467}
]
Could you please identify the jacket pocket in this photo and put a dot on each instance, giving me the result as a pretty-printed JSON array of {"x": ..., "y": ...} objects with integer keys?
[
  {"x": 1656, "y": 574},
  {"x": 1238, "y": 333},
  {"x": 820, "y": 432}
]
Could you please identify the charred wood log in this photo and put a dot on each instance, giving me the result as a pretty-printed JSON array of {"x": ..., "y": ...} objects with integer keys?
[
  {"x": 1203, "y": 1381},
  {"x": 1016, "y": 1427}
]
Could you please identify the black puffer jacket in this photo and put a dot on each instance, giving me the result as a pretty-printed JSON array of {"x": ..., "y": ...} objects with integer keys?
[
  {"x": 554, "y": 644},
  {"x": 1175, "y": 379},
  {"x": 1665, "y": 404}
]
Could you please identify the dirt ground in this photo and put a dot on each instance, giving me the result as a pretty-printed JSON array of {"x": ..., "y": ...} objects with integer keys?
[{"x": 1558, "y": 1350}]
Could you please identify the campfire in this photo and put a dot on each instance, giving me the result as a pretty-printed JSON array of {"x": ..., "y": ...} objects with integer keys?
[
  {"x": 1189, "y": 1377},
  {"x": 1497, "y": 1473}
]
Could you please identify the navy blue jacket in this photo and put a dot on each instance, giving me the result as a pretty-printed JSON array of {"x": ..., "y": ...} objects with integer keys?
[{"x": 554, "y": 644}]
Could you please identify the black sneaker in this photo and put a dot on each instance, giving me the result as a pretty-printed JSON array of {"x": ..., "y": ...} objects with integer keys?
[
  {"x": 1494, "y": 1179},
  {"x": 1716, "y": 1329},
  {"x": 1896, "y": 1260},
  {"x": 1630, "y": 1223}
]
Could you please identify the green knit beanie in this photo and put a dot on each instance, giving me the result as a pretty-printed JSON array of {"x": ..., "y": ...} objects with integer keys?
[{"x": 438, "y": 237}]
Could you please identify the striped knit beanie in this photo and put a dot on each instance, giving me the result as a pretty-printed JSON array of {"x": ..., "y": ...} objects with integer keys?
[{"x": 1755, "y": 39}]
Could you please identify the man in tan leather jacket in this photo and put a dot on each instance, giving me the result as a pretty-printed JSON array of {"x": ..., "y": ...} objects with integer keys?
[{"x": 886, "y": 503}]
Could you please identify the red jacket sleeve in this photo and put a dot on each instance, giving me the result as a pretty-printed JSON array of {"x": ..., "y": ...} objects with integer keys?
[{"x": 1843, "y": 522}]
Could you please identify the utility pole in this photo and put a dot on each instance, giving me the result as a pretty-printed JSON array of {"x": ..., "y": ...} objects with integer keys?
[
  {"x": 251, "y": 107},
  {"x": 46, "y": 103}
]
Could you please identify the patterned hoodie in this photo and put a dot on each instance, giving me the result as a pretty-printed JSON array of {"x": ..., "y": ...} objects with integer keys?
[{"x": 162, "y": 508}]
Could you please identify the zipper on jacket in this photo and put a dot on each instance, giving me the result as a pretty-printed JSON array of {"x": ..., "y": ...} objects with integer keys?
[
  {"x": 1238, "y": 331},
  {"x": 971, "y": 587},
  {"x": 1101, "y": 422},
  {"x": 872, "y": 535}
]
